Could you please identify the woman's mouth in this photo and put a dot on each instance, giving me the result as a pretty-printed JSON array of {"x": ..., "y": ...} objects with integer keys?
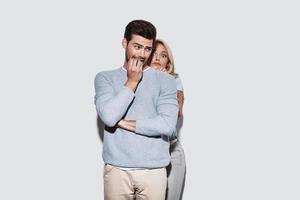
[{"x": 156, "y": 63}]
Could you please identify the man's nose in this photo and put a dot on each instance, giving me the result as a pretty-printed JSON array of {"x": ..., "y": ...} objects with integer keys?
[{"x": 142, "y": 53}]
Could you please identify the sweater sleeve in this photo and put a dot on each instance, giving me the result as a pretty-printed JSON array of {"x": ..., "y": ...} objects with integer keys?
[
  {"x": 164, "y": 123},
  {"x": 179, "y": 84},
  {"x": 111, "y": 106}
]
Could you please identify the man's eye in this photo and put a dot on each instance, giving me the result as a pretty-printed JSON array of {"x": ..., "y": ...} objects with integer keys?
[
  {"x": 137, "y": 47},
  {"x": 148, "y": 49}
]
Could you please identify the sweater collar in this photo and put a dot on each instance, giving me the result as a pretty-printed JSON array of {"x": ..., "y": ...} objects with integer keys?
[{"x": 147, "y": 67}]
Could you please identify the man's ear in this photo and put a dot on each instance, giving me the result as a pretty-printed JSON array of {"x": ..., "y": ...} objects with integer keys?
[{"x": 124, "y": 43}]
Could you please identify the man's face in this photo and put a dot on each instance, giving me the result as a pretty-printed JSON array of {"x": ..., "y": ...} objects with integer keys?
[{"x": 138, "y": 47}]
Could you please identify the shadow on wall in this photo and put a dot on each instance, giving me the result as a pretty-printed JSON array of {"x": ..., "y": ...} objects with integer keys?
[{"x": 100, "y": 126}]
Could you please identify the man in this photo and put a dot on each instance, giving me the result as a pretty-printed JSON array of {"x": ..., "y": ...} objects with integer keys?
[{"x": 138, "y": 106}]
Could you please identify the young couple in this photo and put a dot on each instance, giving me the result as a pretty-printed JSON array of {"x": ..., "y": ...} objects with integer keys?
[{"x": 140, "y": 104}]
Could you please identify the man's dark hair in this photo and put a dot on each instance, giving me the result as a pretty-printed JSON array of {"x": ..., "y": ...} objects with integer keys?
[{"x": 141, "y": 28}]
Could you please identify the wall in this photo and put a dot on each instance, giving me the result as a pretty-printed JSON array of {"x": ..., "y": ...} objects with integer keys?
[{"x": 239, "y": 63}]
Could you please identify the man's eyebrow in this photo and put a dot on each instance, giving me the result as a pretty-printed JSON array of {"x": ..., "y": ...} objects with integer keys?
[
  {"x": 137, "y": 44},
  {"x": 150, "y": 47}
]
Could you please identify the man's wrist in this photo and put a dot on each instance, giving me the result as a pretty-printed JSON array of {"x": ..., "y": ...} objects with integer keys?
[{"x": 131, "y": 84}]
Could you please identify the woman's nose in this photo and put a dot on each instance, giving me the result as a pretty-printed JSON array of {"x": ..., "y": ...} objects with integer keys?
[{"x": 157, "y": 57}]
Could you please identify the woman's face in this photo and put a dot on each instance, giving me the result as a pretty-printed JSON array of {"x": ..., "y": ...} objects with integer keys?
[{"x": 160, "y": 58}]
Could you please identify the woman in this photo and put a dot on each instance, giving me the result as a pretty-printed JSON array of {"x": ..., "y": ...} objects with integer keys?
[{"x": 162, "y": 59}]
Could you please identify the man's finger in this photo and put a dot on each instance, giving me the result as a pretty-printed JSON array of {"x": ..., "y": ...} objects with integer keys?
[
  {"x": 136, "y": 62},
  {"x": 140, "y": 65},
  {"x": 130, "y": 63}
]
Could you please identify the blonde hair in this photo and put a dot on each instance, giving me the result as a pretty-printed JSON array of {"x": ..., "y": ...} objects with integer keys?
[{"x": 170, "y": 68}]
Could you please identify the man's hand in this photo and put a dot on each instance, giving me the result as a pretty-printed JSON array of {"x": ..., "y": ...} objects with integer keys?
[
  {"x": 134, "y": 72},
  {"x": 127, "y": 124}
]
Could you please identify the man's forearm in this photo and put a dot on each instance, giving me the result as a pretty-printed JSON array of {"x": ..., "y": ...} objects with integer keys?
[
  {"x": 158, "y": 125},
  {"x": 111, "y": 108},
  {"x": 149, "y": 127}
]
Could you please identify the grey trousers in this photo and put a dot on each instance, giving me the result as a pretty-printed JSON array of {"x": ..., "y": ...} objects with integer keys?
[{"x": 176, "y": 172}]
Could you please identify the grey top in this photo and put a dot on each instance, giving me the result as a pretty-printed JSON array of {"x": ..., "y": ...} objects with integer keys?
[
  {"x": 179, "y": 84},
  {"x": 154, "y": 106},
  {"x": 179, "y": 87}
]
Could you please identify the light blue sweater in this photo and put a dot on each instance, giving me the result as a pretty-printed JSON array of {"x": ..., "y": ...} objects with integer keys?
[{"x": 154, "y": 106}]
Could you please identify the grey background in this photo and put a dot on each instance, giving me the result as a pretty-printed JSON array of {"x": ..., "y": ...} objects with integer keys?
[{"x": 239, "y": 63}]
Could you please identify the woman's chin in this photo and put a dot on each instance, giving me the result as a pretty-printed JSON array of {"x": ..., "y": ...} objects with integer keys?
[{"x": 155, "y": 66}]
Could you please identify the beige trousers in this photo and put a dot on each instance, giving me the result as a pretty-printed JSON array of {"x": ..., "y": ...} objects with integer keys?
[{"x": 141, "y": 184}]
